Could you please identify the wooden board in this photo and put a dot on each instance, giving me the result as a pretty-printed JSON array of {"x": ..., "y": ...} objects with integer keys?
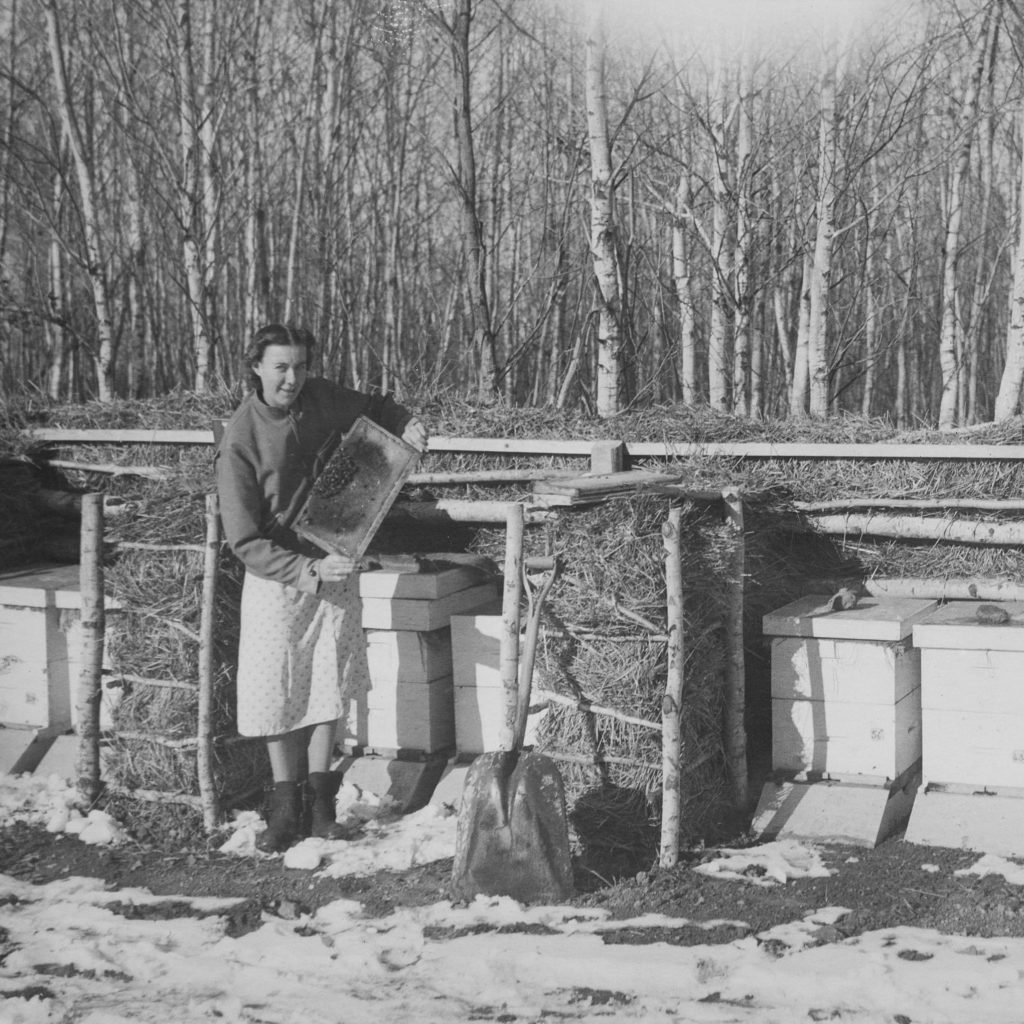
[
  {"x": 984, "y": 823},
  {"x": 834, "y": 812},
  {"x": 955, "y": 626},
  {"x": 44, "y": 586},
  {"x": 355, "y": 489},
  {"x": 858, "y": 671},
  {"x": 424, "y": 616},
  {"x": 865, "y": 739},
  {"x": 597, "y": 486},
  {"x": 874, "y": 618}
]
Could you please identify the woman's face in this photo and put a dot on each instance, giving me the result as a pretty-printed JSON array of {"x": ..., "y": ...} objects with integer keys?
[{"x": 282, "y": 372}]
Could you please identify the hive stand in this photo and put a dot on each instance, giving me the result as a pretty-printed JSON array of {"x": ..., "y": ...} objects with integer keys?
[
  {"x": 846, "y": 735},
  {"x": 972, "y": 720}
]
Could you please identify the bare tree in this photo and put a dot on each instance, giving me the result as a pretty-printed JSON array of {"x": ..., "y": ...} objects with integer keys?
[
  {"x": 948, "y": 343},
  {"x": 602, "y": 225},
  {"x": 95, "y": 257}
]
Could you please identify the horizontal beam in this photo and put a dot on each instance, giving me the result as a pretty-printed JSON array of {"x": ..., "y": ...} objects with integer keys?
[
  {"x": 64, "y": 435},
  {"x": 584, "y": 448}
]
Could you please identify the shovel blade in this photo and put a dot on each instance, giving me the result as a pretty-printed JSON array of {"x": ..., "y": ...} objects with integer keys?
[{"x": 512, "y": 838}]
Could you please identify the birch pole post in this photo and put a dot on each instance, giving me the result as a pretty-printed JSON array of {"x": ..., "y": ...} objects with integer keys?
[
  {"x": 89, "y": 691},
  {"x": 512, "y": 595},
  {"x": 735, "y": 665},
  {"x": 671, "y": 704},
  {"x": 204, "y": 749}
]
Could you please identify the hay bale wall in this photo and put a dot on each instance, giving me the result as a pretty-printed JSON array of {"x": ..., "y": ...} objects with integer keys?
[{"x": 610, "y": 551}]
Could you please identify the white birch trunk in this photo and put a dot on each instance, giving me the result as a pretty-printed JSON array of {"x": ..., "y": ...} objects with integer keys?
[
  {"x": 742, "y": 342},
  {"x": 189, "y": 199},
  {"x": 949, "y": 364},
  {"x": 800, "y": 388},
  {"x": 821, "y": 275},
  {"x": 56, "y": 340},
  {"x": 94, "y": 252},
  {"x": 1012, "y": 380},
  {"x": 602, "y": 226},
  {"x": 719, "y": 368}
]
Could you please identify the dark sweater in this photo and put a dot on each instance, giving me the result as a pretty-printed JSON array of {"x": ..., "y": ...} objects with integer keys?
[{"x": 267, "y": 461}]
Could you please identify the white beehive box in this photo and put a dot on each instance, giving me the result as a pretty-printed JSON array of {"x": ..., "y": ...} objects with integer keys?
[
  {"x": 401, "y": 717},
  {"x": 406, "y": 617},
  {"x": 479, "y": 697},
  {"x": 845, "y": 687},
  {"x": 408, "y": 656},
  {"x": 972, "y": 696},
  {"x": 40, "y": 649}
]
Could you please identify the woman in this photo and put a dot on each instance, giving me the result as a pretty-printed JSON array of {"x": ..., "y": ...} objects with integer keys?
[{"x": 301, "y": 651}]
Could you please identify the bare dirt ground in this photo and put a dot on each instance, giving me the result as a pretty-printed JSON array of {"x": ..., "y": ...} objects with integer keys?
[{"x": 896, "y": 883}]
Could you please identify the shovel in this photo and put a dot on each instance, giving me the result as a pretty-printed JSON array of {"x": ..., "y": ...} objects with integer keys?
[{"x": 512, "y": 838}]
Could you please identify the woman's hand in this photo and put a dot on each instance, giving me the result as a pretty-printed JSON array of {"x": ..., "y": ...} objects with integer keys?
[
  {"x": 415, "y": 433},
  {"x": 334, "y": 568}
]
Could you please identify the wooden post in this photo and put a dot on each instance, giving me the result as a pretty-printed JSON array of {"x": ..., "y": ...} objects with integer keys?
[
  {"x": 204, "y": 750},
  {"x": 609, "y": 457},
  {"x": 735, "y": 664},
  {"x": 671, "y": 705},
  {"x": 512, "y": 595},
  {"x": 90, "y": 679}
]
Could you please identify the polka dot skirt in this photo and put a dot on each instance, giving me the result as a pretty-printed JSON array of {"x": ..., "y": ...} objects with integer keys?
[{"x": 300, "y": 655}]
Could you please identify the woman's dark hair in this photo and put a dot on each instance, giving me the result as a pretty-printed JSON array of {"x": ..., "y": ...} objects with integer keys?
[{"x": 275, "y": 334}]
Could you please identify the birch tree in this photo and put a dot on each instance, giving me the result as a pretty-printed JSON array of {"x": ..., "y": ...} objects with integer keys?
[
  {"x": 948, "y": 338},
  {"x": 466, "y": 185},
  {"x": 821, "y": 267},
  {"x": 603, "y": 234},
  {"x": 1011, "y": 382},
  {"x": 95, "y": 256}
]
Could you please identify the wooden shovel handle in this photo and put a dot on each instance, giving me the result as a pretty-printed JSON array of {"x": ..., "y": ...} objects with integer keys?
[{"x": 529, "y": 651}]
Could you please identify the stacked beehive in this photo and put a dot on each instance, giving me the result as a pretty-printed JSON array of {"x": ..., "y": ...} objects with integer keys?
[
  {"x": 972, "y": 718},
  {"x": 846, "y": 696},
  {"x": 40, "y": 644},
  {"x": 409, "y": 707},
  {"x": 846, "y": 720}
]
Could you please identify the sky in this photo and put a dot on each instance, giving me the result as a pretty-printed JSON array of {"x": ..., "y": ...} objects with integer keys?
[{"x": 67, "y": 954}]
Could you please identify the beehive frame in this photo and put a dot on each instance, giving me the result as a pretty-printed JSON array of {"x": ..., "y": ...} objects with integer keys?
[{"x": 355, "y": 489}]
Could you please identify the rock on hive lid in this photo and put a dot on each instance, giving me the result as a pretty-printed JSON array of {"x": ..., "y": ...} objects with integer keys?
[{"x": 873, "y": 618}]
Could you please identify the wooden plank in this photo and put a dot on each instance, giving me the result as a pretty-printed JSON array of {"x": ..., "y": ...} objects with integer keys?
[
  {"x": 598, "y": 486},
  {"x": 810, "y": 450},
  {"x": 424, "y": 616},
  {"x": 985, "y": 823},
  {"x": 121, "y": 436},
  {"x": 832, "y": 812},
  {"x": 872, "y": 619},
  {"x": 637, "y": 449},
  {"x": 43, "y": 586}
]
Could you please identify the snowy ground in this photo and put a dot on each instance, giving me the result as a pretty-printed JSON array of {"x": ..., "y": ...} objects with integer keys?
[{"x": 74, "y": 951}]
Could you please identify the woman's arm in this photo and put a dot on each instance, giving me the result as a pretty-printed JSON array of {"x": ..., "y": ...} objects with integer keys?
[{"x": 251, "y": 539}]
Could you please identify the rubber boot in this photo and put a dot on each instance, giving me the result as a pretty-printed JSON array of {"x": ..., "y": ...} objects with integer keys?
[
  {"x": 285, "y": 822},
  {"x": 321, "y": 789}
]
